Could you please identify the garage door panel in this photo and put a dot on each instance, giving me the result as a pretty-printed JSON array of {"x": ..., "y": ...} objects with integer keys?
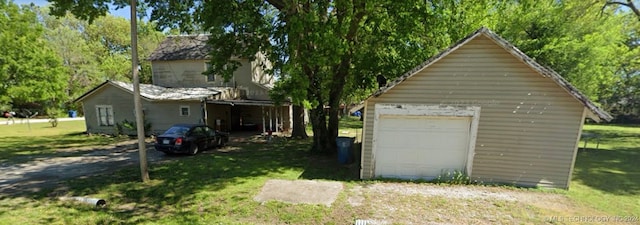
[{"x": 420, "y": 146}]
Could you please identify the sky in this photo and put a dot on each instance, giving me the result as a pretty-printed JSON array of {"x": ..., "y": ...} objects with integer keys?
[{"x": 124, "y": 12}]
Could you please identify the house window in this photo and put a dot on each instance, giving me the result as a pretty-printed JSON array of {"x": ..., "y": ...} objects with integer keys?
[
  {"x": 210, "y": 77},
  {"x": 105, "y": 115},
  {"x": 184, "y": 110}
]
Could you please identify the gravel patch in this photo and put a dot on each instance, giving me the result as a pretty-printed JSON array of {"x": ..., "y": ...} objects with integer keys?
[
  {"x": 459, "y": 192},
  {"x": 424, "y": 203}
]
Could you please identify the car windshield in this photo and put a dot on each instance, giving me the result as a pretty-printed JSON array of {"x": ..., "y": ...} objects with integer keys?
[{"x": 177, "y": 130}]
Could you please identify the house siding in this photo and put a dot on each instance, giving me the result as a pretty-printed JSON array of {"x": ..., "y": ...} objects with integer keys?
[
  {"x": 164, "y": 114},
  {"x": 250, "y": 77},
  {"x": 179, "y": 73},
  {"x": 121, "y": 101},
  {"x": 528, "y": 126},
  {"x": 247, "y": 82},
  {"x": 156, "y": 113}
]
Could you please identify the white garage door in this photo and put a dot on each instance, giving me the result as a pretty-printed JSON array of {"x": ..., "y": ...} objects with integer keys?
[{"x": 412, "y": 147}]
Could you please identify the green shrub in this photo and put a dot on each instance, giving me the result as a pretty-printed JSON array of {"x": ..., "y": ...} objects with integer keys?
[
  {"x": 452, "y": 177},
  {"x": 129, "y": 127}
]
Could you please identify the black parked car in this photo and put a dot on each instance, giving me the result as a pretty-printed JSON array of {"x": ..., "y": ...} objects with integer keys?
[{"x": 190, "y": 139}]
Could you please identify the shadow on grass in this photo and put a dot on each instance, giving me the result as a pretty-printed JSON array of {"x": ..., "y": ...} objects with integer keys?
[
  {"x": 612, "y": 170},
  {"x": 208, "y": 182},
  {"x": 327, "y": 167}
]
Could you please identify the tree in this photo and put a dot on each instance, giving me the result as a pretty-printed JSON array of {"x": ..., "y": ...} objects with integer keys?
[
  {"x": 629, "y": 4},
  {"x": 318, "y": 48},
  {"x": 30, "y": 70},
  {"x": 94, "y": 52},
  {"x": 324, "y": 52},
  {"x": 624, "y": 102},
  {"x": 66, "y": 36},
  {"x": 571, "y": 37}
]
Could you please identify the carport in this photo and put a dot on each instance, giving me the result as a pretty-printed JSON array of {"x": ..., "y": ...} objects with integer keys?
[{"x": 248, "y": 115}]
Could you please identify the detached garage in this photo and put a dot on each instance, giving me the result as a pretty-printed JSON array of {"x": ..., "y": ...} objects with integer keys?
[{"x": 482, "y": 108}]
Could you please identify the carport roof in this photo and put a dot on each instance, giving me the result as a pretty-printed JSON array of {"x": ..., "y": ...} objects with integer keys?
[
  {"x": 157, "y": 93},
  {"x": 245, "y": 102},
  {"x": 595, "y": 112}
]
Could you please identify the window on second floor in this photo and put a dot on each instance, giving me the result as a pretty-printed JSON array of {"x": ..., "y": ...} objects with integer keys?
[{"x": 210, "y": 77}]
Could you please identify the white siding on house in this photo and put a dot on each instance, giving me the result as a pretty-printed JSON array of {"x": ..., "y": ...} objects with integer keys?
[{"x": 528, "y": 126}]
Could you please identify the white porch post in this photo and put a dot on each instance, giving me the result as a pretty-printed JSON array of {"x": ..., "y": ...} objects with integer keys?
[
  {"x": 264, "y": 128},
  {"x": 277, "y": 120},
  {"x": 270, "y": 119}
]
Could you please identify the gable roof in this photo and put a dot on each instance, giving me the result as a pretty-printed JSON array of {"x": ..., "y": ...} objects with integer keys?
[
  {"x": 157, "y": 93},
  {"x": 595, "y": 112},
  {"x": 182, "y": 47}
]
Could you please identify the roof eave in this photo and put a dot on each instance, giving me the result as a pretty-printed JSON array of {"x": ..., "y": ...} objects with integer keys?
[{"x": 90, "y": 92}]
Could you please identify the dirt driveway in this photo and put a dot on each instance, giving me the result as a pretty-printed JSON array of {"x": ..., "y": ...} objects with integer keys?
[{"x": 48, "y": 172}]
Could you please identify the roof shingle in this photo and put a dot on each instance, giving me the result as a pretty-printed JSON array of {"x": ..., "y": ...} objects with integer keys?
[
  {"x": 183, "y": 47},
  {"x": 157, "y": 93}
]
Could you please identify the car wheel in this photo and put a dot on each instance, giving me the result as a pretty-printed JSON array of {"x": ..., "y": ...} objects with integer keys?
[{"x": 194, "y": 149}]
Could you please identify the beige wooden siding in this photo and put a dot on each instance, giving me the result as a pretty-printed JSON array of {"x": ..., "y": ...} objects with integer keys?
[
  {"x": 161, "y": 115},
  {"x": 528, "y": 125},
  {"x": 181, "y": 73}
]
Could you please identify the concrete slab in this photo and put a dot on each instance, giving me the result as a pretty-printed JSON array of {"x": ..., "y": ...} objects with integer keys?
[{"x": 300, "y": 191}]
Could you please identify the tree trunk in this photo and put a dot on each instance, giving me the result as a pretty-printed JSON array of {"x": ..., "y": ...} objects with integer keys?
[
  {"x": 299, "y": 130},
  {"x": 318, "y": 116},
  {"x": 320, "y": 132}
]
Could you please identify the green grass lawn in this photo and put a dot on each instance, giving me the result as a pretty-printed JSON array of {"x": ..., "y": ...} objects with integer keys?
[
  {"x": 608, "y": 178},
  {"x": 218, "y": 187},
  {"x": 20, "y": 142}
]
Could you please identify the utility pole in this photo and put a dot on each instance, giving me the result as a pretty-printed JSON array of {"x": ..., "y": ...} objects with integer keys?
[{"x": 142, "y": 147}]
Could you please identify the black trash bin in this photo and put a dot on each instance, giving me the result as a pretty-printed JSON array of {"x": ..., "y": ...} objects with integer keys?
[{"x": 344, "y": 149}]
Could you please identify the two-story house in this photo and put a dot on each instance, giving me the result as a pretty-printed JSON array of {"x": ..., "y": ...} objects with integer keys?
[{"x": 180, "y": 93}]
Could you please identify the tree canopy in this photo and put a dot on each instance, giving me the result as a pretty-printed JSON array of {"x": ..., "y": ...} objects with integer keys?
[
  {"x": 30, "y": 70},
  {"x": 324, "y": 52},
  {"x": 47, "y": 61}
]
